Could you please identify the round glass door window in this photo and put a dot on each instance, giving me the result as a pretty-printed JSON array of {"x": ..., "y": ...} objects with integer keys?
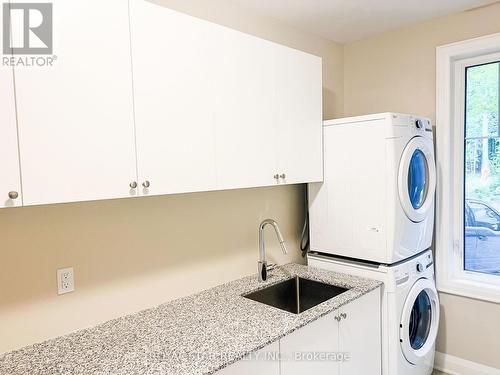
[
  {"x": 418, "y": 179},
  {"x": 420, "y": 321}
]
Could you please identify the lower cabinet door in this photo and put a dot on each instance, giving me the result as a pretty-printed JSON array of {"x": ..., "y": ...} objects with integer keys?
[
  {"x": 312, "y": 349},
  {"x": 360, "y": 336},
  {"x": 262, "y": 362}
]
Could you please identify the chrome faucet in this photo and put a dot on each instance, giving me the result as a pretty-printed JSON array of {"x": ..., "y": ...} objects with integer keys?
[{"x": 263, "y": 267}]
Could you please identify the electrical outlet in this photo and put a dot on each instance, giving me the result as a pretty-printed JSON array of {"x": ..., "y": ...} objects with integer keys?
[{"x": 65, "y": 280}]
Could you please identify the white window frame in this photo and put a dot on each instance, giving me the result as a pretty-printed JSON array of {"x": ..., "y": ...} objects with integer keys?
[{"x": 452, "y": 59}]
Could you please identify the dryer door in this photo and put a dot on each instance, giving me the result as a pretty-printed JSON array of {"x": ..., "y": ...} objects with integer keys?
[
  {"x": 419, "y": 321},
  {"x": 417, "y": 178}
]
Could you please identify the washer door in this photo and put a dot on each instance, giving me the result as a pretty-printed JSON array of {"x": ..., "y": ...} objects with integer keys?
[
  {"x": 417, "y": 178},
  {"x": 419, "y": 322}
]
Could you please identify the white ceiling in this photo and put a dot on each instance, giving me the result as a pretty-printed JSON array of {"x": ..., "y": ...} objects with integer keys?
[{"x": 350, "y": 20}]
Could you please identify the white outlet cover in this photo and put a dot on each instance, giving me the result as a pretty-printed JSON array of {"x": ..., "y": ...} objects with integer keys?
[{"x": 65, "y": 280}]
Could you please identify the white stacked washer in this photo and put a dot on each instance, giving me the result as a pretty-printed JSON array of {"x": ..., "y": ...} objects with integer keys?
[
  {"x": 377, "y": 199},
  {"x": 373, "y": 216},
  {"x": 410, "y": 309}
]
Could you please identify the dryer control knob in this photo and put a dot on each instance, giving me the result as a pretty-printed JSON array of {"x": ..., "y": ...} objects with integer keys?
[
  {"x": 419, "y": 124},
  {"x": 420, "y": 267}
]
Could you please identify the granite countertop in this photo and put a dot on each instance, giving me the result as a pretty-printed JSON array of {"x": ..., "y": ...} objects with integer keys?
[{"x": 198, "y": 334}]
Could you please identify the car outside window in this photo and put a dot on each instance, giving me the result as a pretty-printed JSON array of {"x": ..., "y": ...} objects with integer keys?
[{"x": 482, "y": 169}]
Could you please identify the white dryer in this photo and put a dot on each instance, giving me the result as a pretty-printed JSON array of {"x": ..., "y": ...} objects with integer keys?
[
  {"x": 376, "y": 202},
  {"x": 410, "y": 309}
]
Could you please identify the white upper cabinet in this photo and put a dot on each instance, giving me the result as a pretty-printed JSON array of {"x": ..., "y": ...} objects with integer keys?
[
  {"x": 244, "y": 110},
  {"x": 157, "y": 102},
  {"x": 219, "y": 109},
  {"x": 75, "y": 118},
  {"x": 10, "y": 182},
  {"x": 172, "y": 58},
  {"x": 299, "y": 116}
]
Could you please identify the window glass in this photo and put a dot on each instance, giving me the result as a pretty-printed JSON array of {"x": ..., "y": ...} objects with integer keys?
[
  {"x": 418, "y": 176},
  {"x": 482, "y": 169},
  {"x": 420, "y": 320}
]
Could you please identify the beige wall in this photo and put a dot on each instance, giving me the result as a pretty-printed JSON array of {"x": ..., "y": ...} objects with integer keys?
[
  {"x": 396, "y": 72},
  {"x": 134, "y": 253}
]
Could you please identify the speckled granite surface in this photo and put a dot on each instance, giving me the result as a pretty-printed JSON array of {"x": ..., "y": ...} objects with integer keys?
[{"x": 198, "y": 334}]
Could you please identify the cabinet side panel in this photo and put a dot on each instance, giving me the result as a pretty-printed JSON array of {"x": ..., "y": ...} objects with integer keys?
[{"x": 347, "y": 209}]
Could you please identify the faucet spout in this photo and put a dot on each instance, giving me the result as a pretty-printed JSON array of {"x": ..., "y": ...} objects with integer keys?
[{"x": 263, "y": 268}]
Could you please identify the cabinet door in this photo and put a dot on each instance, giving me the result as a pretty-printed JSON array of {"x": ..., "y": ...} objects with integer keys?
[
  {"x": 245, "y": 110},
  {"x": 317, "y": 338},
  {"x": 75, "y": 118},
  {"x": 262, "y": 362},
  {"x": 172, "y": 61},
  {"x": 360, "y": 335},
  {"x": 299, "y": 116},
  {"x": 9, "y": 167}
]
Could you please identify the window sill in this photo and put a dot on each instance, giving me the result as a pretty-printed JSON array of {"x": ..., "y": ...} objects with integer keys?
[{"x": 471, "y": 289}]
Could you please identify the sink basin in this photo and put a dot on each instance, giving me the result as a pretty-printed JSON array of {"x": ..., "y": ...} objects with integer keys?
[{"x": 296, "y": 295}]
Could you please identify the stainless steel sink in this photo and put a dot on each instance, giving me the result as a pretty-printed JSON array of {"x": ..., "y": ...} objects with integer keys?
[{"x": 296, "y": 295}]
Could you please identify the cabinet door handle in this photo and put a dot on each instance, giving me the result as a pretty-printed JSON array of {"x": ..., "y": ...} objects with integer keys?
[
  {"x": 146, "y": 184},
  {"x": 276, "y": 176},
  {"x": 283, "y": 176},
  {"x": 337, "y": 318},
  {"x": 133, "y": 185},
  {"x": 13, "y": 194},
  {"x": 343, "y": 316}
]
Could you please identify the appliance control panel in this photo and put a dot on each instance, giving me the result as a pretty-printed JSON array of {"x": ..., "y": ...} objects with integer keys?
[
  {"x": 421, "y": 126},
  {"x": 424, "y": 265},
  {"x": 416, "y": 125},
  {"x": 402, "y": 275}
]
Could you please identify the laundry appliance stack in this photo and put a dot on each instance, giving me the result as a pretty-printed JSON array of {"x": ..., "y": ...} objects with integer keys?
[{"x": 373, "y": 216}]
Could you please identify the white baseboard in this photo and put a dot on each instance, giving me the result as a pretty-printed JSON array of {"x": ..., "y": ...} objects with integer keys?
[{"x": 452, "y": 365}]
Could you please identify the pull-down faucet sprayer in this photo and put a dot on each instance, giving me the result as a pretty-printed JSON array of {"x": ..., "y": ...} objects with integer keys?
[{"x": 263, "y": 267}]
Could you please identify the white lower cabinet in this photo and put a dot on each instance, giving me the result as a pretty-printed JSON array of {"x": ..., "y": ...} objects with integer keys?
[
  {"x": 315, "y": 339},
  {"x": 360, "y": 336},
  {"x": 263, "y": 362},
  {"x": 344, "y": 342}
]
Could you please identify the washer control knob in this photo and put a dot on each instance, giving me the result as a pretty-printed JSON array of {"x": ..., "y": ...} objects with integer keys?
[
  {"x": 419, "y": 124},
  {"x": 420, "y": 267}
]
